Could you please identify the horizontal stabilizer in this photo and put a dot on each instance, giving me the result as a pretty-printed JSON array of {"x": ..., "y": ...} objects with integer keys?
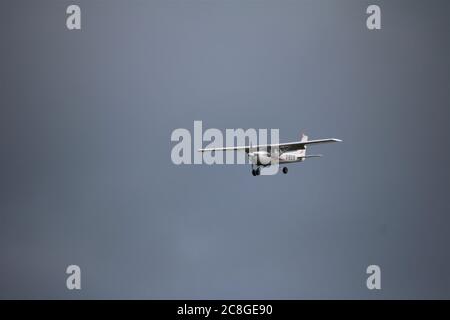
[{"x": 312, "y": 156}]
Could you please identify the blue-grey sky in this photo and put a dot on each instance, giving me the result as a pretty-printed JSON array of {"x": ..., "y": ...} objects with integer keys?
[{"x": 86, "y": 176}]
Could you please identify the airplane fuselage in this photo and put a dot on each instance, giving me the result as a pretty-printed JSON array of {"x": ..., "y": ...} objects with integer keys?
[{"x": 264, "y": 158}]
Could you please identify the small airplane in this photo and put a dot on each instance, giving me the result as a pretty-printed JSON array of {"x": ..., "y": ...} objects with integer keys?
[{"x": 281, "y": 153}]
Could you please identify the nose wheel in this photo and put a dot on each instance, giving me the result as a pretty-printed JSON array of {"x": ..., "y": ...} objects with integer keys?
[
  {"x": 256, "y": 172},
  {"x": 285, "y": 170}
]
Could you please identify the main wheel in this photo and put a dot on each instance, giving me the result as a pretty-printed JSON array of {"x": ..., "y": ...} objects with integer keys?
[
  {"x": 258, "y": 171},
  {"x": 253, "y": 172},
  {"x": 285, "y": 170}
]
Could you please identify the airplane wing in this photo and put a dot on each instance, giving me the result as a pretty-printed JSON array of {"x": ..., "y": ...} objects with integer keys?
[
  {"x": 283, "y": 147},
  {"x": 291, "y": 146}
]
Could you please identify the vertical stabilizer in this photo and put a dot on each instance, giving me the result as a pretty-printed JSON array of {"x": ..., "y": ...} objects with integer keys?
[
  {"x": 302, "y": 152},
  {"x": 304, "y": 138}
]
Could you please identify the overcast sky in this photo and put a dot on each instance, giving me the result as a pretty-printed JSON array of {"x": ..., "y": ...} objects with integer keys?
[{"x": 86, "y": 176}]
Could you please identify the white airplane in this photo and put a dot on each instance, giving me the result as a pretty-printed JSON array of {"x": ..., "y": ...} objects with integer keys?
[{"x": 281, "y": 153}]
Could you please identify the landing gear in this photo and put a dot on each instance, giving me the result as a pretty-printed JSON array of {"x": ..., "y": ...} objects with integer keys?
[
  {"x": 256, "y": 172},
  {"x": 285, "y": 170}
]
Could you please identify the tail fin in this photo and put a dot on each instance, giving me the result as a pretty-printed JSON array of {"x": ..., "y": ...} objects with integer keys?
[
  {"x": 304, "y": 138},
  {"x": 302, "y": 152}
]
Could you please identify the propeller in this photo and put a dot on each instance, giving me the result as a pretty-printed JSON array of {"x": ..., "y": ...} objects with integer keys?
[
  {"x": 276, "y": 152},
  {"x": 250, "y": 150}
]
